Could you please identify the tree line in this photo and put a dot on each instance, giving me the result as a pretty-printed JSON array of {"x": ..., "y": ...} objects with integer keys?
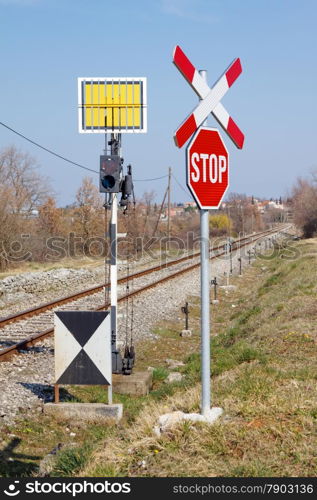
[{"x": 32, "y": 227}]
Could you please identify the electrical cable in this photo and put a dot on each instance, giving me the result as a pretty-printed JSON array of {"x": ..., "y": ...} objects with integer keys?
[
  {"x": 154, "y": 179},
  {"x": 180, "y": 184},
  {"x": 48, "y": 150},
  {"x": 67, "y": 159}
]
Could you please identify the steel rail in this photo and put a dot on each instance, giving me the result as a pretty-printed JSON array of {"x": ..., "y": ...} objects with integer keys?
[
  {"x": 7, "y": 353},
  {"x": 98, "y": 288}
]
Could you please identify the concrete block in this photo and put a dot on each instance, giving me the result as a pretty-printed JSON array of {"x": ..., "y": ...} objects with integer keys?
[
  {"x": 169, "y": 420},
  {"x": 85, "y": 411},
  {"x": 212, "y": 415},
  {"x": 186, "y": 333},
  {"x": 136, "y": 384}
]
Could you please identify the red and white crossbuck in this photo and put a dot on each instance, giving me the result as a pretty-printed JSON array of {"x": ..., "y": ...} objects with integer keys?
[{"x": 210, "y": 100}]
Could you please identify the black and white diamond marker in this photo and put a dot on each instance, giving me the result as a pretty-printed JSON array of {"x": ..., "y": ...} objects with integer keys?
[{"x": 82, "y": 347}]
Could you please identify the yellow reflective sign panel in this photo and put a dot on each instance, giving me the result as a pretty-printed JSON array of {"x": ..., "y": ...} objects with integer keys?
[{"x": 112, "y": 104}]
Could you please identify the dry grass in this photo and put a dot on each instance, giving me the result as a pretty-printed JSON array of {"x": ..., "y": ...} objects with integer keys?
[
  {"x": 269, "y": 426},
  {"x": 268, "y": 429}
]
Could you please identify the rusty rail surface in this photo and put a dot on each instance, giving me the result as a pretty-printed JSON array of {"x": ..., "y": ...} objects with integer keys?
[
  {"x": 98, "y": 288},
  {"x": 6, "y": 354}
]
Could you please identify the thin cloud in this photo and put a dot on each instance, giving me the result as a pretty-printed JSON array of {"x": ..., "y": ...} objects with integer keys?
[{"x": 196, "y": 11}]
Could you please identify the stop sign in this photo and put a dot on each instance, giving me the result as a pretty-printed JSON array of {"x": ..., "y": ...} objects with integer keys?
[{"x": 207, "y": 168}]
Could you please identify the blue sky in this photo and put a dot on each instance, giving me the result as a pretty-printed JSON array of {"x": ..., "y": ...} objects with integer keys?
[{"x": 46, "y": 44}]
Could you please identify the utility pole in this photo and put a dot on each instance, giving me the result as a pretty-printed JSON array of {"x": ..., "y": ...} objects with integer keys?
[
  {"x": 159, "y": 215},
  {"x": 242, "y": 216},
  {"x": 169, "y": 207}
]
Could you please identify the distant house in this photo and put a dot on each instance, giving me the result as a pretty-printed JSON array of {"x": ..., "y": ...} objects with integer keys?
[
  {"x": 174, "y": 211},
  {"x": 265, "y": 205},
  {"x": 274, "y": 204},
  {"x": 190, "y": 204},
  {"x": 262, "y": 206},
  {"x": 29, "y": 214}
]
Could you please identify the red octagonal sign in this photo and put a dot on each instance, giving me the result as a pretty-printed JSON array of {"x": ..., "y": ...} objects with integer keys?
[{"x": 207, "y": 168}]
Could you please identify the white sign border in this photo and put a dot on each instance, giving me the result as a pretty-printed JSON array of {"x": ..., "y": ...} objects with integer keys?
[{"x": 104, "y": 79}]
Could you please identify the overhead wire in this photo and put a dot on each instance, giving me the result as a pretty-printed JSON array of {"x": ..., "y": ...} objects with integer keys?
[
  {"x": 48, "y": 150},
  {"x": 153, "y": 179},
  {"x": 180, "y": 185},
  {"x": 67, "y": 159}
]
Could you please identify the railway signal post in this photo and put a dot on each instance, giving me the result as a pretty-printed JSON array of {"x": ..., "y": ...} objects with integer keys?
[
  {"x": 110, "y": 184},
  {"x": 207, "y": 169},
  {"x": 113, "y": 105}
]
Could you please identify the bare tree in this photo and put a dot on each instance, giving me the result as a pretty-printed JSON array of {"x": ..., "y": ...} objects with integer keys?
[
  {"x": 147, "y": 200},
  {"x": 243, "y": 213},
  {"x": 19, "y": 172},
  {"x": 304, "y": 198},
  {"x": 49, "y": 219},
  {"x": 89, "y": 212},
  {"x": 22, "y": 190}
]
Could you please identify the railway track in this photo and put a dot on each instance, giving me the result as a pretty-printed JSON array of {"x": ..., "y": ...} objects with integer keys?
[
  {"x": 22, "y": 330},
  {"x": 99, "y": 288}
]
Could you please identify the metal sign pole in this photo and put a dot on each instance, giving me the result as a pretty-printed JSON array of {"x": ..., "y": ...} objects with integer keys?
[
  {"x": 205, "y": 320},
  {"x": 204, "y": 300}
]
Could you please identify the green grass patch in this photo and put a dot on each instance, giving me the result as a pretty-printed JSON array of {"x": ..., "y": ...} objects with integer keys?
[
  {"x": 220, "y": 319},
  {"x": 223, "y": 358},
  {"x": 71, "y": 460},
  {"x": 245, "y": 316},
  {"x": 160, "y": 374},
  {"x": 252, "y": 386},
  {"x": 271, "y": 281},
  {"x": 231, "y": 335},
  {"x": 166, "y": 332}
]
